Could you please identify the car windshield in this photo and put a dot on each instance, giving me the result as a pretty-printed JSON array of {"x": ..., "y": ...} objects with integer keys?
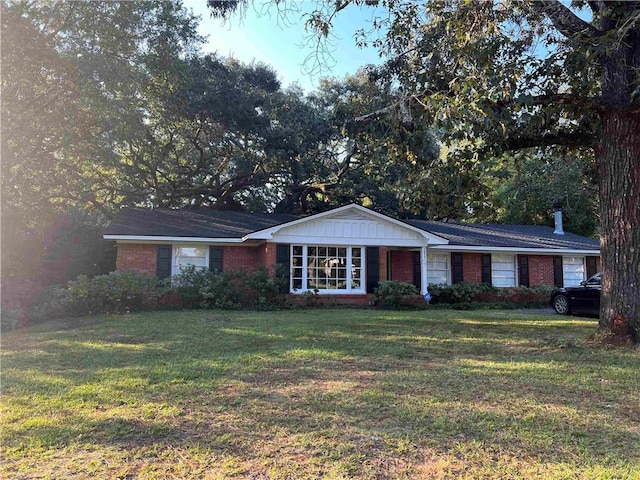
[{"x": 595, "y": 280}]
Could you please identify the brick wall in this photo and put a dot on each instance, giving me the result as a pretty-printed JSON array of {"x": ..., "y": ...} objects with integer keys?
[
  {"x": 472, "y": 267},
  {"x": 240, "y": 258},
  {"x": 136, "y": 256},
  {"x": 540, "y": 270},
  {"x": 402, "y": 269},
  {"x": 266, "y": 257}
]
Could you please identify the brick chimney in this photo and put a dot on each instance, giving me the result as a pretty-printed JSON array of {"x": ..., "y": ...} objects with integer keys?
[{"x": 557, "y": 209}]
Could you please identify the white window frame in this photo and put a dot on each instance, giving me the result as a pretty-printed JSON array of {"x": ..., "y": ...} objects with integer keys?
[
  {"x": 330, "y": 291},
  {"x": 581, "y": 271},
  {"x": 431, "y": 267},
  {"x": 175, "y": 268},
  {"x": 499, "y": 265}
]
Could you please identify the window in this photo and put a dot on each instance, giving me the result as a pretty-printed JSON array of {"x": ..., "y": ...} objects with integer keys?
[
  {"x": 572, "y": 271},
  {"x": 184, "y": 256},
  {"x": 503, "y": 270},
  {"x": 327, "y": 269},
  {"x": 437, "y": 267}
]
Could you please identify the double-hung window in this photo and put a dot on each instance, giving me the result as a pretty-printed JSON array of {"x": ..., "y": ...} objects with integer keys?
[
  {"x": 328, "y": 269},
  {"x": 573, "y": 271},
  {"x": 503, "y": 270},
  {"x": 184, "y": 256},
  {"x": 438, "y": 268}
]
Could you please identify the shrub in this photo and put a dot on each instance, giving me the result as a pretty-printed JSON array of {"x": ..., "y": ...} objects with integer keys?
[
  {"x": 390, "y": 293},
  {"x": 224, "y": 290},
  {"x": 12, "y": 318},
  {"x": 463, "y": 292},
  {"x": 239, "y": 289},
  {"x": 188, "y": 285},
  {"x": 115, "y": 292},
  {"x": 465, "y": 295},
  {"x": 263, "y": 290}
]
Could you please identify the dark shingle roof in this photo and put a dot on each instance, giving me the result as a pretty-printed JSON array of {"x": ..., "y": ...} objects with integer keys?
[
  {"x": 192, "y": 222},
  {"x": 514, "y": 236},
  {"x": 207, "y": 223}
]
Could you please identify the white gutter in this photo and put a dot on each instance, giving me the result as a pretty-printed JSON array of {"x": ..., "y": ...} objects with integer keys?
[{"x": 156, "y": 239}]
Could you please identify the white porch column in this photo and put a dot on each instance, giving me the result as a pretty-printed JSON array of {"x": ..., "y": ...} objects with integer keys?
[{"x": 423, "y": 270}]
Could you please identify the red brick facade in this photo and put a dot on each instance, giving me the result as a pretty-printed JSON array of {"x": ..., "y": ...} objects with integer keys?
[
  {"x": 137, "y": 256},
  {"x": 472, "y": 267},
  {"x": 540, "y": 270},
  {"x": 402, "y": 266},
  {"x": 240, "y": 258},
  {"x": 143, "y": 258},
  {"x": 266, "y": 257}
]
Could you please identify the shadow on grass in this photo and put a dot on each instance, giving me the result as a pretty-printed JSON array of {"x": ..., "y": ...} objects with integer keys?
[{"x": 236, "y": 382}]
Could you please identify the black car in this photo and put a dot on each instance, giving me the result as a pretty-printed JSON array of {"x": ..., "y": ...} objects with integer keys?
[{"x": 582, "y": 299}]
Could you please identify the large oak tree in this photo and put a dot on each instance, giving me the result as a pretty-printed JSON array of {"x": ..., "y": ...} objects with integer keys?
[{"x": 510, "y": 75}]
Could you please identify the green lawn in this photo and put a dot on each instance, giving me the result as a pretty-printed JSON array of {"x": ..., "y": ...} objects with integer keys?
[{"x": 336, "y": 393}]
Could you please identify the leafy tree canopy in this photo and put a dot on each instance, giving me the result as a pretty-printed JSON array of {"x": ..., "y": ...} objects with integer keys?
[{"x": 503, "y": 76}]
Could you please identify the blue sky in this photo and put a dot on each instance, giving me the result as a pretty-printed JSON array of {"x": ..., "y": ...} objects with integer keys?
[{"x": 262, "y": 35}]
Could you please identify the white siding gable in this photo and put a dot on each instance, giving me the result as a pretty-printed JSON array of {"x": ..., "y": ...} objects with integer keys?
[
  {"x": 338, "y": 231},
  {"x": 350, "y": 225}
]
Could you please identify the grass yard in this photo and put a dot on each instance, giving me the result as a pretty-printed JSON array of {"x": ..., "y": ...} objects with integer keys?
[{"x": 333, "y": 393}]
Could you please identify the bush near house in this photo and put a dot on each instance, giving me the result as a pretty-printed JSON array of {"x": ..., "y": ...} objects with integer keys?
[
  {"x": 392, "y": 293},
  {"x": 476, "y": 295},
  {"x": 196, "y": 288},
  {"x": 112, "y": 293}
]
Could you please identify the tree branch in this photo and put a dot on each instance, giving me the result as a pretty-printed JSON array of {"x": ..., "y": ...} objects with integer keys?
[
  {"x": 567, "y": 22},
  {"x": 565, "y": 138}
]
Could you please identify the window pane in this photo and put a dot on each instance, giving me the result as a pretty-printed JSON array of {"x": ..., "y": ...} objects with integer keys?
[
  {"x": 503, "y": 270},
  {"x": 572, "y": 271},
  {"x": 437, "y": 267}
]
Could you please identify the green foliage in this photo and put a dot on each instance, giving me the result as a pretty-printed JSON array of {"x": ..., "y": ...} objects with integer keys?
[
  {"x": 472, "y": 295},
  {"x": 461, "y": 292},
  {"x": 527, "y": 183},
  {"x": 189, "y": 283},
  {"x": 222, "y": 290},
  {"x": 239, "y": 289},
  {"x": 112, "y": 293},
  {"x": 11, "y": 318},
  {"x": 390, "y": 293},
  {"x": 264, "y": 290}
]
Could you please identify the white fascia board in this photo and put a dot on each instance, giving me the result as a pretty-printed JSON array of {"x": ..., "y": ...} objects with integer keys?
[
  {"x": 159, "y": 239},
  {"x": 268, "y": 233},
  {"x": 541, "y": 251}
]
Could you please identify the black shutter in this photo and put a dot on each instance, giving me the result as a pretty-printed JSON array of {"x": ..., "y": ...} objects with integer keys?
[
  {"x": 457, "y": 273},
  {"x": 558, "y": 275},
  {"x": 283, "y": 265},
  {"x": 163, "y": 264},
  {"x": 592, "y": 266},
  {"x": 486, "y": 268},
  {"x": 373, "y": 268},
  {"x": 215, "y": 259},
  {"x": 523, "y": 270},
  {"x": 417, "y": 270}
]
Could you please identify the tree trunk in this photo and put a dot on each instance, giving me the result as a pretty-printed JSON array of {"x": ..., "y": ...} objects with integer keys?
[{"x": 618, "y": 157}]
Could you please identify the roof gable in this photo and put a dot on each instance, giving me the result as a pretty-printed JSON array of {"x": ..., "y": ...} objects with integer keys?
[{"x": 351, "y": 224}]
